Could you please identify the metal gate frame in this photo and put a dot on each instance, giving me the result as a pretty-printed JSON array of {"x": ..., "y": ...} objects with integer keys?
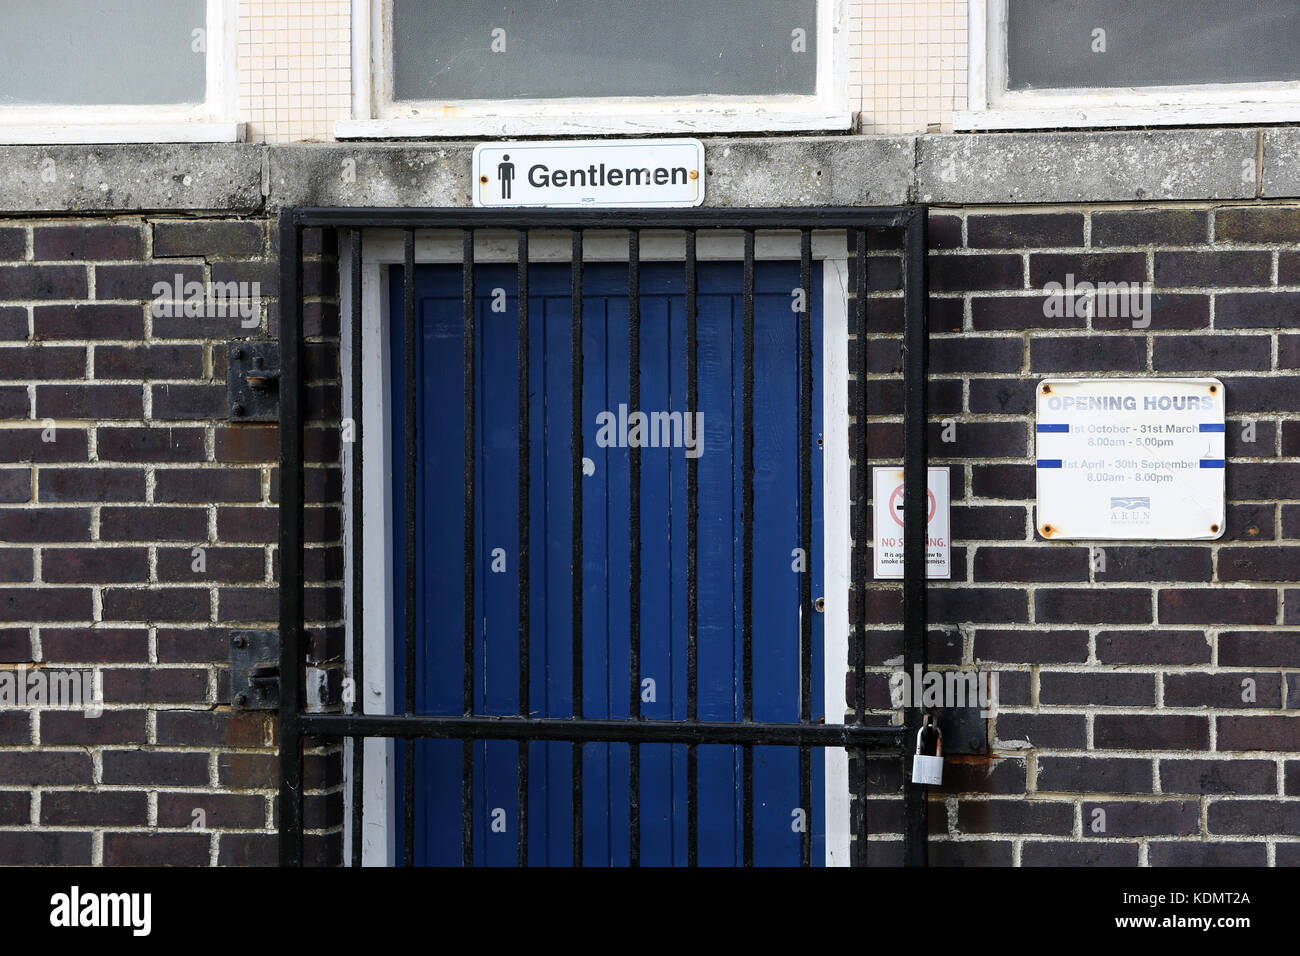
[{"x": 296, "y": 723}]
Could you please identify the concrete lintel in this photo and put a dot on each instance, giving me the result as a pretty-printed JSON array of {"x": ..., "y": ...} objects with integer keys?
[
  {"x": 154, "y": 177},
  {"x": 1087, "y": 166},
  {"x": 1282, "y": 163}
]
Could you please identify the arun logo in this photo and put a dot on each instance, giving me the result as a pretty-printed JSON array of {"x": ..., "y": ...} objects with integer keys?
[{"x": 1130, "y": 504}]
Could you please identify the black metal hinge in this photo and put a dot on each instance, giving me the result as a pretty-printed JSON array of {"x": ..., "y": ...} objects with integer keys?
[
  {"x": 253, "y": 381},
  {"x": 255, "y": 670}
]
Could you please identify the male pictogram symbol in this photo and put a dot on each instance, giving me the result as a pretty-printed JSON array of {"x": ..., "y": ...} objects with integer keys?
[{"x": 506, "y": 173}]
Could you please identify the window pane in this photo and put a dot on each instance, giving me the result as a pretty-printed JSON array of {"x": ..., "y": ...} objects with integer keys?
[
  {"x": 57, "y": 52},
  {"x": 453, "y": 50},
  {"x": 1054, "y": 44}
]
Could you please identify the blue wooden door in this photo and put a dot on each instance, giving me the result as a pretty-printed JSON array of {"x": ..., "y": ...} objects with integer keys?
[{"x": 440, "y": 558}]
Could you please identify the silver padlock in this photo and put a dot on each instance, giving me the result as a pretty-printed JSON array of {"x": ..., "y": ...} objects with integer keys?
[{"x": 928, "y": 770}]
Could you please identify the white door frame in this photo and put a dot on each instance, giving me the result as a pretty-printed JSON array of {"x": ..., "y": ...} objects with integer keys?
[{"x": 384, "y": 248}]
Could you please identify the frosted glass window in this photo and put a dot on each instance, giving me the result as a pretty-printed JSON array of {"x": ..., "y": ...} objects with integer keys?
[
  {"x": 103, "y": 52},
  {"x": 1063, "y": 44},
  {"x": 457, "y": 50}
]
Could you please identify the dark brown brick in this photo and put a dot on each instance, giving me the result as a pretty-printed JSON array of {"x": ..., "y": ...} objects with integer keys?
[
  {"x": 208, "y": 484},
  {"x": 248, "y": 524},
  {"x": 1200, "y": 606},
  {"x": 155, "y": 604},
  {"x": 1218, "y": 776},
  {"x": 1251, "y": 522},
  {"x": 1168, "y": 310},
  {"x": 16, "y": 565},
  {"x": 1032, "y": 646},
  {"x": 998, "y": 313},
  {"x": 970, "y": 853},
  {"x": 89, "y": 401},
  {"x": 1092, "y": 606},
  {"x": 218, "y": 564},
  {"x": 1257, "y": 310},
  {"x": 1106, "y": 688},
  {"x": 15, "y": 808},
  {"x": 1288, "y": 268},
  {"x": 1154, "y": 563},
  {"x": 1257, "y": 224},
  {"x": 1261, "y": 393},
  {"x": 247, "y": 849},
  {"x": 153, "y": 767},
  {"x": 188, "y": 402},
  {"x": 156, "y": 849},
  {"x": 1016, "y": 482},
  {"x": 148, "y": 361},
  {"x": 1024, "y": 231},
  {"x": 1031, "y": 564},
  {"x": 1000, "y": 396},
  {"x": 107, "y": 645},
  {"x": 1091, "y": 854},
  {"x": 88, "y": 321},
  {"x": 95, "y": 565},
  {"x": 45, "y": 524},
  {"x": 978, "y": 605},
  {"x": 1095, "y": 774},
  {"x": 54, "y": 243},
  {"x": 44, "y": 848},
  {"x": 13, "y": 322},
  {"x": 193, "y": 645},
  {"x": 1258, "y": 733},
  {"x": 1159, "y": 227},
  {"x": 1158, "y": 818},
  {"x": 247, "y": 771},
  {"x": 988, "y": 522},
  {"x": 1259, "y": 563},
  {"x": 220, "y": 810},
  {"x": 152, "y": 523},
  {"x": 976, "y": 273},
  {"x": 1212, "y": 353},
  {"x": 1145, "y": 732},
  {"x": 91, "y": 484},
  {"x": 969, "y": 353},
  {"x": 15, "y": 645},
  {"x": 45, "y": 768},
  {"x": 1252, "y": 438},
  {"x": 247, "y": 443},
  {"x": 1042, "y": 731},
  {"x": 142, "y": 282},
  {"x": 43, "y": 282},
  {"x": 63, "y": 728},
  {"x": 1094, "y": 267},
  {"x": 150, "y": 444},
  {"x": 210, "y": 239},
  {"x": 13, "y": 244},
  {"x": 199, "y": 728},
  {"x": 1259, "y": 649},
  {"x": 1266, "y": 817},
  {"x": 1213, "y": 269},
  {"x": 1088, "y": 353},
  {"x": 124, "y": 808},
  {"x": 1195, "y": 853},
  {"x": 42, "y": 362},
  {"x": 45, "y": 604},
  {"x": 1223, "y": 690},
  {"x": 1261, "y": 480}
]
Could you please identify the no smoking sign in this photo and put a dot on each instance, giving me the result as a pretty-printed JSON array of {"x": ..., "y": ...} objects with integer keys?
[{"x": 887, "y": 552}]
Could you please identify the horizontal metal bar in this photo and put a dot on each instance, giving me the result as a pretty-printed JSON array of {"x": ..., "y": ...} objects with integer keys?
[
  {"x": 702, "y": 218},
  {"x": 605, "y": 731}
]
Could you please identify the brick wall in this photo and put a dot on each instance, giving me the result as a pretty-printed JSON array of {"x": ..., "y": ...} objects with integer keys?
[
  {"x": 1120, "y": 690},
  {"x": 137, "y": 527}
]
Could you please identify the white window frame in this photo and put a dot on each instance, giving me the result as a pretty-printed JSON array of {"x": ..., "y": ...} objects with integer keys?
[
  {"x": 374, "y": 116},
  {"x": 382, "y": 249},
  {"x": 991, "y": 106},
  {"x": 213, "y": 121}
]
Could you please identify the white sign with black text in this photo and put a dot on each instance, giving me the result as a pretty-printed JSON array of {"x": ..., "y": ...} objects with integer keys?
[
  {"x": 590, "y": 173},
  {"x": 887, "y": 549},
  {"x": 1130, "y": 458}
]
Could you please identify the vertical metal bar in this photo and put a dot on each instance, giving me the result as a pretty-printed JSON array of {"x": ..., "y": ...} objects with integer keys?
[
  {"x": 575, "y": 445},
  {"x": 692, "y": 555},
  {"x": 409, "y": 344},
  {"x": 747, "y": 549},
  {"x": 915, "y": 506},
  {"x": 861, "y": 535},
  {"x": 634, "y": 543},
  {"x": 805, "y": 537},
  {"x": 358, "y": 552},
  {"x": 292, "y": 644},
  {"x": 467, "y": 677},
  {"x": 525, "y": 450}
]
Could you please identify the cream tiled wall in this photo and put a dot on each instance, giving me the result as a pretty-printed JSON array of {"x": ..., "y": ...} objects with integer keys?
[{"x": 907, "y": 65}]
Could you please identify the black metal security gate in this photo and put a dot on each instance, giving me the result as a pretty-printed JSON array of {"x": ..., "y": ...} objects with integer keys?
[{"x": 855, "y": 735}]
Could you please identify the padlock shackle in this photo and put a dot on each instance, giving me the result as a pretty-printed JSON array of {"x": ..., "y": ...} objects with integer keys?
[{"x": 938, "y": 736}]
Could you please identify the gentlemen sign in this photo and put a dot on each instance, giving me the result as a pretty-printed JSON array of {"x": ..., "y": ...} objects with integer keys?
[
  {"x": 598, "y": 173},
  {"x": 1130, "y": 458}
]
